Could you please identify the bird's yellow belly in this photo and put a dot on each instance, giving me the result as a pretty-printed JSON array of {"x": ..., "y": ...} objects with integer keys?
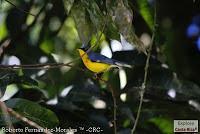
[{"x": 96, "y": 67}]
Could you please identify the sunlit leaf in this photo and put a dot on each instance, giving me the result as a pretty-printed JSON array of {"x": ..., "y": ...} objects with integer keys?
[
  {"x": 165, "y": 125},
  {"x": 47, "y": 46},
  {"x": 146, "y": 12},
  {"x": 96, "y": 38},
  {"x": 3, "y": 30}
]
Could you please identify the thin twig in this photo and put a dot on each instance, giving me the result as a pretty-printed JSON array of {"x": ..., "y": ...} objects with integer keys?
[
  {"x": 36, "y": 66},
  {"x": 6, "y": 115},
  {"x": 143, "y": 87},
  {"x": 20, "y": 8},
  {"x": 114, "y": 102},
  {"x": 26, "y": 120}
]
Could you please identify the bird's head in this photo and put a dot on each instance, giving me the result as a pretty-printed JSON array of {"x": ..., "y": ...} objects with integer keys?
[{"x": 81, "y": 51}]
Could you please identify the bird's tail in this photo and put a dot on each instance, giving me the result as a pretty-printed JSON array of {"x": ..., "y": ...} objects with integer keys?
[{"x": 121, "y": 64}]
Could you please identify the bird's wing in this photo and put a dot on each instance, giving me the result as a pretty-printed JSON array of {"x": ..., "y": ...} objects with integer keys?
[
  {"x": 100, "y": 58},
  {"x": 95, "y": 57}
]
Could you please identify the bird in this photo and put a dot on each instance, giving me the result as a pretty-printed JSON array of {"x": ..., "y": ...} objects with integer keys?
[{"x": 98, "y": 63}]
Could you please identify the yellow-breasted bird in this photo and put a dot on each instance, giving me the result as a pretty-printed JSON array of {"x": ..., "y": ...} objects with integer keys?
[{"x": 98, "y": 63}]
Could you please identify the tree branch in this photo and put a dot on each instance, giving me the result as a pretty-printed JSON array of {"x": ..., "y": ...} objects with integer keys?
[
  {"x": 143, "y": 86},
  {"x": 6, "y": 114},
  {"x": 36, "y": 66},
  {"x": 26, "y": 120}
]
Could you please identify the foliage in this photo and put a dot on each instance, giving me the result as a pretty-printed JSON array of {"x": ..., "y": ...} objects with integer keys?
[{"x": 42, "y": 32}]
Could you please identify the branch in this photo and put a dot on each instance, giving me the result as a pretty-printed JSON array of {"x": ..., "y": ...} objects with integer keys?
[
  {"x": 114, "y": 102},
  {"x": 37, "y": 66},
  {"x": 143, "y": 86},
  {"x": 26, "y": 120},
  {"x": 6, "y": 115}
]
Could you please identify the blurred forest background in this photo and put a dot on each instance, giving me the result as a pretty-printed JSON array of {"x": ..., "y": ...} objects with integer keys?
[{"x": 34, "y": 33}]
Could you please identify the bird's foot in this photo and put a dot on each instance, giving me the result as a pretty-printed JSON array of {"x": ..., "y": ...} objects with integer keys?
[{"x": 95, "y": 76}]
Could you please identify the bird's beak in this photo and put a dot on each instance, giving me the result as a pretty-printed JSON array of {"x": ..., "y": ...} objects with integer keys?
[{"x": 80, "y": 51}]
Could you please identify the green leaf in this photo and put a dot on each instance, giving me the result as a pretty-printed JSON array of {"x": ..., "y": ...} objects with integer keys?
[
  {"x": 83, "y": 23},
  {"x": 47, "y": 46},
  {"x": 111, "y": 29},
  {"x": 34, "y": 112},
  {"x": 3, "y": 30},
  {"x": 96, "y": 16},
  {"x": 165, "y": 125},
  {"x": 146, "y": 13}
]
